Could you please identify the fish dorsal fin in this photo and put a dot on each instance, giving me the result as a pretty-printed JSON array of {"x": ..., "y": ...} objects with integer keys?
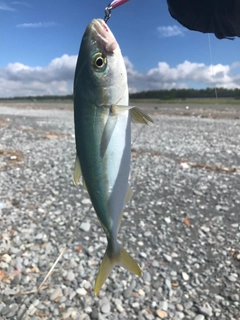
[
  {"x": 77, "y": 171},
  {"x": 116, "y": 109},
  {"x": 139, "y": 116}
]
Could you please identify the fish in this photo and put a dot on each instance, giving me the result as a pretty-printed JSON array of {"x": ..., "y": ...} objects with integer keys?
[{"x": 102, "y": 120}]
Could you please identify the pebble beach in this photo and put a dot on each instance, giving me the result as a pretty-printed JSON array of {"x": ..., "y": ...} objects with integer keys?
[{"x": 182, "y": 225}]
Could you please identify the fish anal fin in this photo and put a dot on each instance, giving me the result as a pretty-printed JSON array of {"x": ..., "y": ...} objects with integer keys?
[
  {"x": 77, "y": 171},
  {"x": 128, "y": 195},
  {"x": 127, "y": 199},
  {"x": 139, "y": 116}
]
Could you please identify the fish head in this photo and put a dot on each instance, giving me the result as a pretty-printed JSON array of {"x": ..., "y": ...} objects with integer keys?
[{"x": 100, "y": 73}]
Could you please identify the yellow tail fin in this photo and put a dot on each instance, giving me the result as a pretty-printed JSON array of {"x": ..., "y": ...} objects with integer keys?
[{"x": 123, "y": 259}]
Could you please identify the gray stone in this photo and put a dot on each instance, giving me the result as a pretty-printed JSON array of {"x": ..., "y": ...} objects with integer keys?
[
  {"x": 146, "y": 277},
  {"x": 94, "y": 314},
  {"x": 143, "y": 255},
  {"x": 185, "y": 276},
  {"x": 81, "y": 291},
  {"x": 106, "y": 307},
  {"x": 31, "y": 310},
  {"x": 57, "y": 293},
  {"x": 178, "y": 316},
  {"x": 85, "y": 226},
  {"x": 205, "y": 309},
  {"x": 18, "y": 263},
  {"x": 70, "y": 275},
  {"x": 86, "y": 201},
  {"x": 167, "y": 257},
  {"x": 188, "y": 305},
  {"x": 235, "y": 297},
  {"x": 17, "y": 279},
  {"x": 12, "y": 310},
  {"x": 127, "y": 293},
  {"x": 70, "y": 313},
  {"x": 2, "y": 305},
  {"x": 155, "y": 264},
  {"x": 163, "y": 305},
  {"x": 232, "y": 278},
  {"x": 135, "y": 305},
  {"x": 6, "y": 258},
  {"x": 179, "y": 307},
  {"x": 199, "y": 317}
]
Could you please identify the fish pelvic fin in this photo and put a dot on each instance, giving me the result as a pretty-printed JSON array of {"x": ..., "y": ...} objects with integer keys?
[
  {"x": 78, "y": 174},
  {"x": 122, "y": 259}
]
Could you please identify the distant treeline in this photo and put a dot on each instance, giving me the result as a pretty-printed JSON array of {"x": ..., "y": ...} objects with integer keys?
[
  {"x": 154, "y": 94},
  {"x": 187, "y": 93},
  {"x": 40, "y": 98}
]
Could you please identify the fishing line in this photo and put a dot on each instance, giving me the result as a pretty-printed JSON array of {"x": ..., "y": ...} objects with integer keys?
[{"x": 212, "y": 69}]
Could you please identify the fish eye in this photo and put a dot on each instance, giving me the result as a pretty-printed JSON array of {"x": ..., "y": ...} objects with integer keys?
[{"x": 99, "y": 61}]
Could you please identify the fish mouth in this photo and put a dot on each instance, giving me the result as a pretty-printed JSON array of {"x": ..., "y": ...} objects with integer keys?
[{"x": 100, "y": 32}]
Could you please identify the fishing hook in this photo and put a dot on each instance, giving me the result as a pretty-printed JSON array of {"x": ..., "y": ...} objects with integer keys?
[
  {"x": 108, "y": 13},
  {"x": 114, "y": 4}
]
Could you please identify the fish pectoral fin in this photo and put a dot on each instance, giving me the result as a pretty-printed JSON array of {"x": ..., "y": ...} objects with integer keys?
[
  {"x": 115, "y": 109},
  {"x": 139, "y": 116},
  {"x": 109, "y": 261},
  {"x": 77, "y": 171}
]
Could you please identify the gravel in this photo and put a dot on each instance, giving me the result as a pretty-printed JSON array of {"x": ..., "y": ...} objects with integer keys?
[{"x": 182, "y": 224}]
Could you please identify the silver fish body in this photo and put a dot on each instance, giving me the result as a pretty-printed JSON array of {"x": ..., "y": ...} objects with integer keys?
[{"x": 102, "y": 119}]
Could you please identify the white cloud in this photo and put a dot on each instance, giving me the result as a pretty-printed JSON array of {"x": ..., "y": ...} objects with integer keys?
[
  {"x": 5, "y": 7},
  {"x": 36, "y": 25},
  {"x": 17, "y": 79},
  {"x": 166, "y": 77},
  {"x": 170, "y": 31}
]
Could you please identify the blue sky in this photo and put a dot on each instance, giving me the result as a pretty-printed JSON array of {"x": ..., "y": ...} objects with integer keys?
[{"x": 40, "y": 40}]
